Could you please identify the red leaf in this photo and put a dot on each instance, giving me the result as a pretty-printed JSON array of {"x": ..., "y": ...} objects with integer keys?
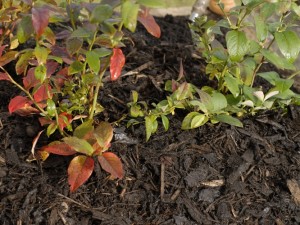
[
  {"x": 149, "y": 22},
  {"x": 30, "y": 81},
  {"x": 80, "y": 169},
  {"x": 59, "y": 148},
  {"x": 117, "y": 62},
  {"x": 43, "y": 93},
  {"x": 2, "y": 48},
  {"x": 22, "y": 106},
  {"x": 4, "y": 76},
  {"x": 43, "y": 121},
  {"x": 111, "y": 164},
  {"x": 40, "y": 20}
]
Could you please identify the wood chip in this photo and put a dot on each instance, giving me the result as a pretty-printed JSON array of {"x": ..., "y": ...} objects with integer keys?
[{"x": 294, "y": 189}]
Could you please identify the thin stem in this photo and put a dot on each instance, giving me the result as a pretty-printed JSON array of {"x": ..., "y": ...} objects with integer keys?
[
  {"x": 260, "y": 64},
  {"x": 25, "y": 91},
  {"x": 96, "y": 93},
  {"x": 294, "y": 74}
]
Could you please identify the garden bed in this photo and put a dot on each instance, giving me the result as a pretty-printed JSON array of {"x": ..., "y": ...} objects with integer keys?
[{"x": 210, "y": 175}]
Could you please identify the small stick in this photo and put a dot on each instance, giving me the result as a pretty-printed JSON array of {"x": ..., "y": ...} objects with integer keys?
[
  {"x": 162, "y": 180},
  {"x": 139, "y": 69}
]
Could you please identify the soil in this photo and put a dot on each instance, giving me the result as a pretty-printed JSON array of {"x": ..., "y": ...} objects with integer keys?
[{"x": 211, "y": 175}]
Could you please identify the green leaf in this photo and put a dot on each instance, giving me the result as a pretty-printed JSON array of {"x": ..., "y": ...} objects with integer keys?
[
  {"x": 51, "y": 108},
  {"x": 219, "y": 101},
  {"x": 129, "y": 12},
  {"x": 278, "y": 61},
  {"x": 101, "y": 13},
  {"x": 229, "y": 120},
  {"x": 151, "y": 125},
  {"x": 25, "y": 29},
  {"x": 41, "y": 54},
  {"x": 135, "y": 96},
  {"x": 152, "y": 3},
  {"x": 84, "y": 129},
  {"x": 232, "y": 84},
  {"x": 40, "y": 73},
  {"x": 80, "y": 33},
  {"x": 165, "y": 122},
  {"x": 51, "y": 129},
  {"x": 73, "y": 45},
  {"x": 102, "y": 52},
  {"x": 261, "y": 28},
  {"x": 283, "y": 84},
  {"x": 271, "y": 77},
  {"x": 79, "y": 145},
  {"x": 237, "y": 44},
  {"x": 75, "y": 67},
  {"x": 289, "y": 44},
  {"x": 193, "y": 120},
  {"x": 93, "y": 61}
]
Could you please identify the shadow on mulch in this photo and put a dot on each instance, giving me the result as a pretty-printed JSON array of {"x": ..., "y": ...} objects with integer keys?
[{"x": 211, "y": 175}]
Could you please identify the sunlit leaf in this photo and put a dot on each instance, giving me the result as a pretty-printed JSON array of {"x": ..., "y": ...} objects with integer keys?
[
  {"x": 22, "y": 63},
  {"x": 41, "y": 54},
  {"x": 165, "y": 122},
  {"x": 260, "y": 95},
  {"x": 129, "y": 13},
  {"x": 271, "y": 94},
  {"x": 111, "y": 164},
  {"x": 237, "y": 44},
  {"x": 277, "y": 60},
  {"x": 64, "y": 120},
  {"x": 289, "y": 44},
  {"x": 193, "y": 120},
  {"x": 51, "y": 108},
  {"x": 59, "y": 148},
  {"x": 148, "y": 21},
  {"x": 40, "y": 20},
  {"x": 51, "y": 129},
  {"x": 117, "y": 62},
  {"x": 93, "y": 61},
  {"x": 79, "y": 145},
  {"x": 79, "y": 171},
  {"x": 84, "y": 129},
  {"x": 7, "y": 57},
  {"x": 103, "y": 134},
  {"x": 219, "y": 101},
  {"x": 40, "y": 73}
]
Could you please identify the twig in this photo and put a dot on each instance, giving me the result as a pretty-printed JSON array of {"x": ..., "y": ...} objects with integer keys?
[
  {"x": 139, "y": 69},
  {"x": 162, "y": 180}
]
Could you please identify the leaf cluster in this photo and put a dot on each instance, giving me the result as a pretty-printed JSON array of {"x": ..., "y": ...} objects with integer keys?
[
  {"x": 64, "y": 52},
  {"x": 235, "y": 48}
]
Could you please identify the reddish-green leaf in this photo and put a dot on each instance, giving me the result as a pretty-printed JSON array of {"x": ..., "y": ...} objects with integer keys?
[
  {"x": 79, "y": 145},
  {"x": 41, "y": 54},
  {"x": 64, "y": 120},
  {"x": 117, "y": 62},
  {"x": 79, "y": 171},
  {"x": 22, "y": 63},
  {"x": 59, "y": 148},
  {"x": 43, "y": 93},
  {"x": 149, "y": 22},
  {"x": 104, "y": 134},
  {"x": 74, "y": 44},
  {"x": 22, "y": 106},
  {"x": 18, "y": 102},
  {"x": 83, "y": 129},
  {"x": 2, "y": 48},
  {"x": 7, "y": 57},
  {"x": 111, "y": 164},
  {"x": 4, "y": 76},
  {"x": 30, "y": 81},
  {"x": 25, "y": 29},
  {"x": 40, "y": 20}
]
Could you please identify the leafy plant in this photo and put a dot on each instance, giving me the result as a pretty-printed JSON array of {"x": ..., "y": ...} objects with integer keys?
[
  {"x": 235, "y": 48},
  {"x": 64, "y": 51}
]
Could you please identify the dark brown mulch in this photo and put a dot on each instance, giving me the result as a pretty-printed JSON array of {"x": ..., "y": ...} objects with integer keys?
[{"x": 212, "y": 175}]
